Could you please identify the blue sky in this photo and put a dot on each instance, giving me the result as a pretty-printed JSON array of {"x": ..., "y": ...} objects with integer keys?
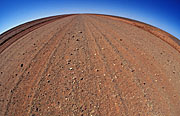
[{"x": 164, "y": 14}]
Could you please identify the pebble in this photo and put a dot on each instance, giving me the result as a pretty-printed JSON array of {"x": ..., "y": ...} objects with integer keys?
[
  {"x": 68, "y": 61},
  {"x": 74, "y": 78},
  {"x": 70, "y": 68},
  {"x": 92, "y": 111},
  {"x": 21, "y": 65},
  {"x": 115, "y": 77},
  {"x": 174, "y": 72}
]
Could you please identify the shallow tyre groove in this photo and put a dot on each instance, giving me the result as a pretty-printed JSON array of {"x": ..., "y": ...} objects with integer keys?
[
  {"x": 9, "y": 37},
  {"x": 158, "y": 85},
  {"x": 128, "y": 67},
  {"x": 25, "y": 73},
  {"x": 47, "y": 67}
]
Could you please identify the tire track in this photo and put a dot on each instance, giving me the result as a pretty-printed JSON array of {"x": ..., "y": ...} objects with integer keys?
[
  {"x": 164, "y": 36},
  {"x": 26, "y": 70},
  {"x": 10, "y": 40},
  {"x": 115, "y": 24},
  {"x": 107, "y": 69},
  {"x": 127, "y": 63},
  {"x": 77, "y": 57},
  {"x": 157, "y": 85},
  {"x": 48, "y": 66},
  {"x": 88, "y": 62}
]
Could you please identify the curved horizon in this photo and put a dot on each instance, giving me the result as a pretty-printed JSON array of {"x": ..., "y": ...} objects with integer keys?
[
  {"x": 161, "y": 14},
  {"x": 85, "y": 13}
]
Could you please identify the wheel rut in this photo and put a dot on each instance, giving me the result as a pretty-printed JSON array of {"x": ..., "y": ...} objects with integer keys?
[{"x": 35, "y": 64}]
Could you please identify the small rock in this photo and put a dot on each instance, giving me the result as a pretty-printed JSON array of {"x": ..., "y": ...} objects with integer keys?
[
  {"x": 115, "y": 77},
  {"x": 74, "y": 78},
  {"x": 65, "y": 76},
  {"x": 92, "y": 111},
  {"x": 70, "y": 68},
  {"x": 21, "y": 65},
  {"x": 68, "y": 62},
  {"x": 37, "y": 109}
]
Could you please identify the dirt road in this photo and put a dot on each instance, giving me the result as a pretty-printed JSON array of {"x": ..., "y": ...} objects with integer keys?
[{"x": 89, "y": 65}]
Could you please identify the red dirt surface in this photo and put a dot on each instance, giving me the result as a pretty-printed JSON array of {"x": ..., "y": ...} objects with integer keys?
[{"x": 89, "y": 65}]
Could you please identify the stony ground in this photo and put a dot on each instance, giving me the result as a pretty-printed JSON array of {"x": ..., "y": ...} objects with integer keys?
[{"x": 89, "y": 65}]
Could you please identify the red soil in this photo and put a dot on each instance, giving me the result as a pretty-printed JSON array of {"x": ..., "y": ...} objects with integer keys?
[{"x": 89, "y": 65}]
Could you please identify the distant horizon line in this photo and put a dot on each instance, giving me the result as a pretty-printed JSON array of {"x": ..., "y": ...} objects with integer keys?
[{"x": 117, "y": 16}]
